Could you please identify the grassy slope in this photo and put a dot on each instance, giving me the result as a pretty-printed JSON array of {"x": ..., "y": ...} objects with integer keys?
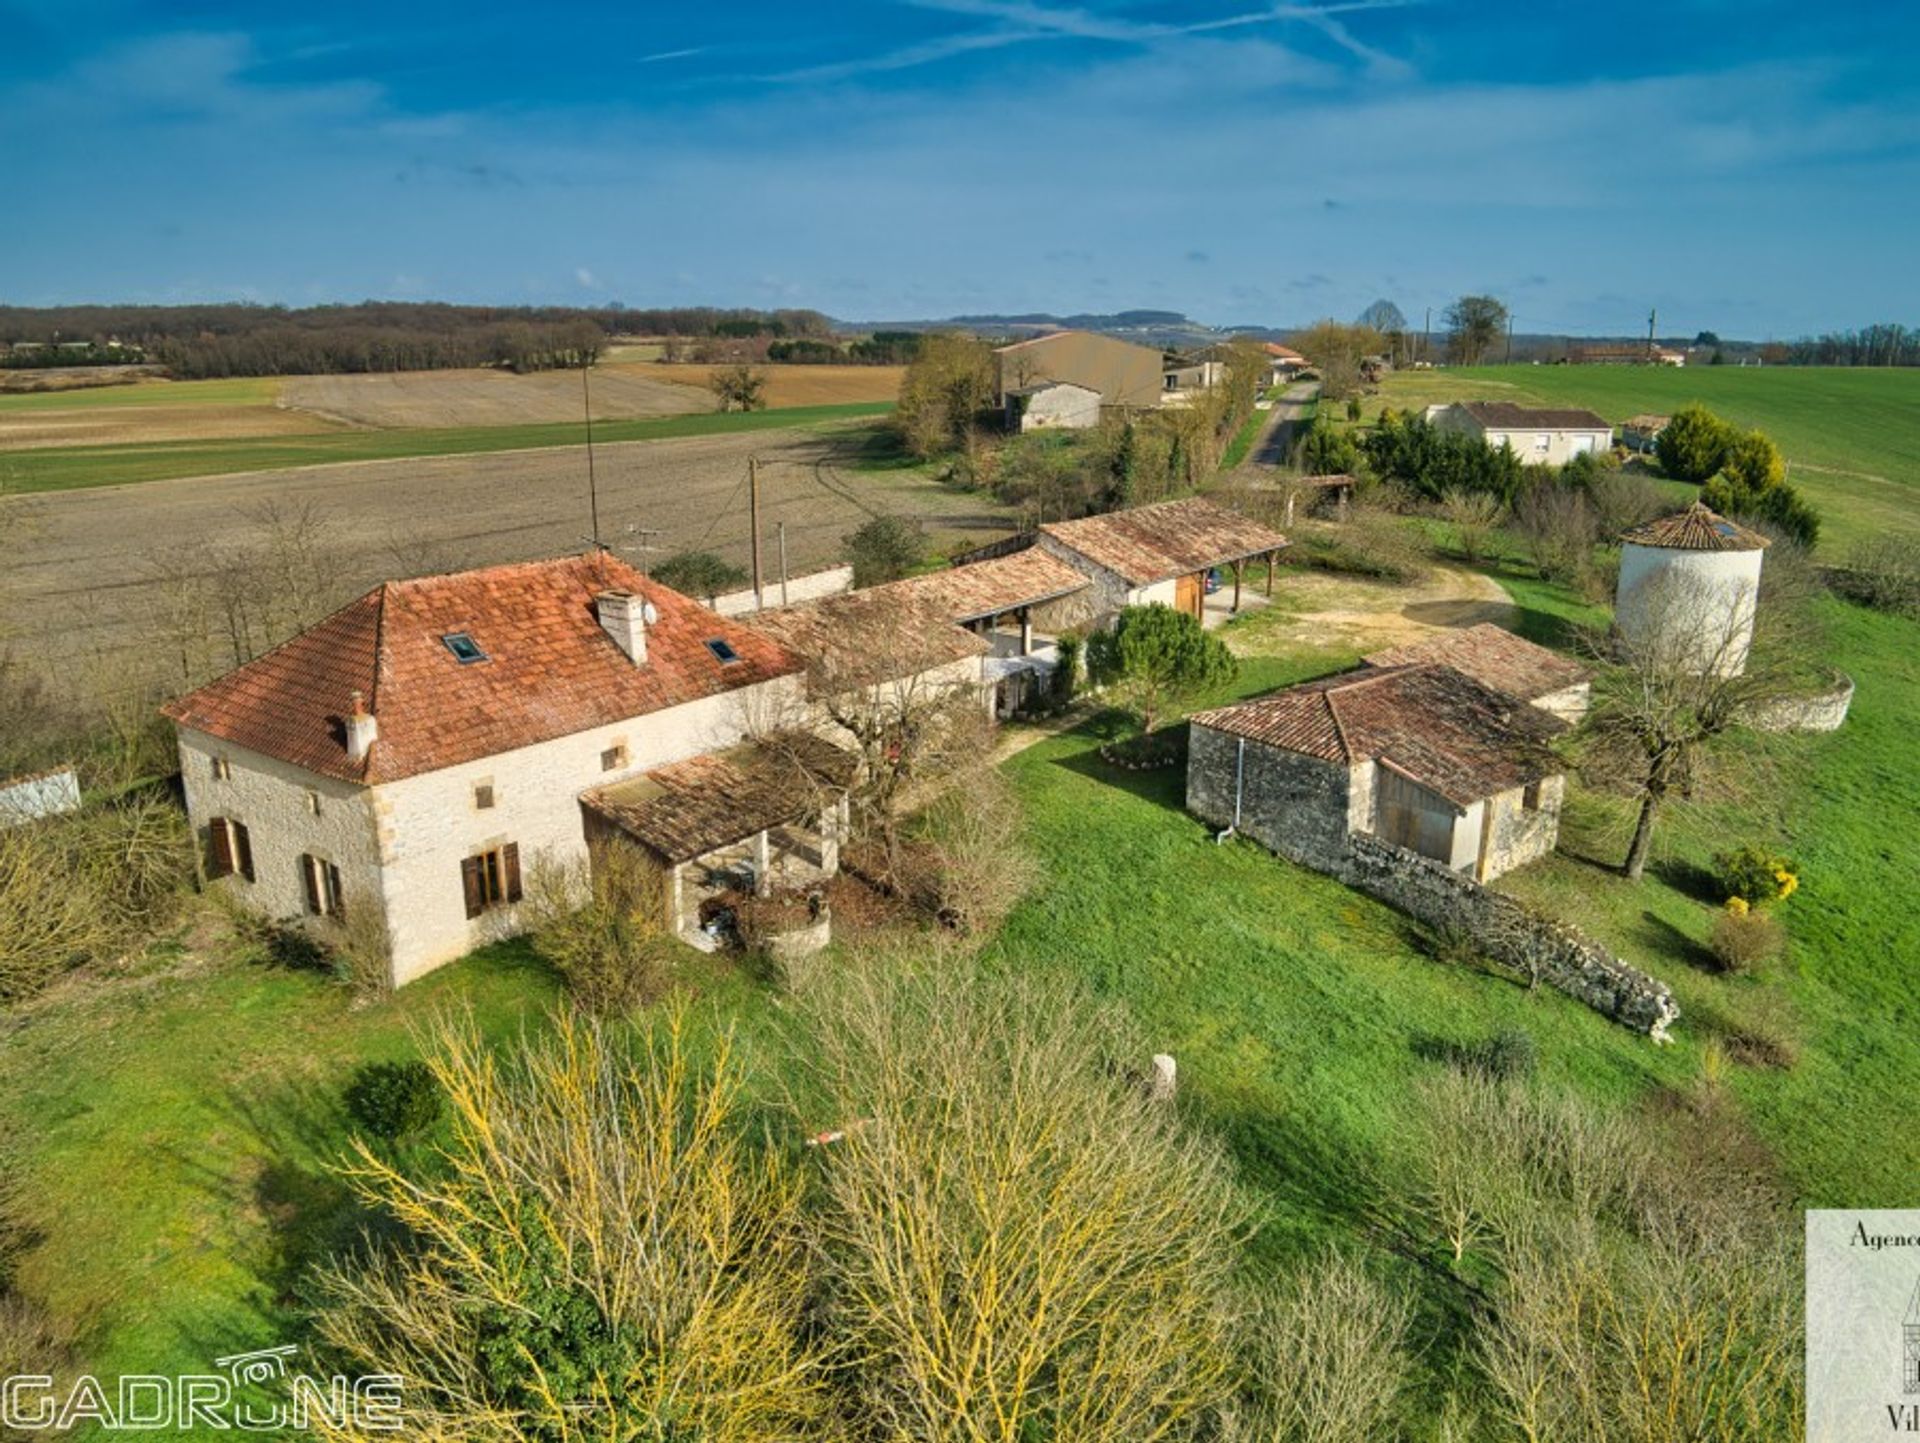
[
  {"x": 1852, "y": 435},
  {"x": 61, "y": 469},
  {"x": 180, "y": 1126}
]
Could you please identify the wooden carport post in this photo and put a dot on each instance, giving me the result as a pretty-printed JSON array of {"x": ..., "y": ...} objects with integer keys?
[{"x": 1238, "y": 567}]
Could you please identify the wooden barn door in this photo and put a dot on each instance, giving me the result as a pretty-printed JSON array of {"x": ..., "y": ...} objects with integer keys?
[
  {"x": 1189, "y": 595},
  {"x": 1410, "y": 816}
]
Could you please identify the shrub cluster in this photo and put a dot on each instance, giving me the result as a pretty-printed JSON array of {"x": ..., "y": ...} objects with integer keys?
[
  {"x": 1754, "y": 876},
  {"x": 394, "y": 1100}
]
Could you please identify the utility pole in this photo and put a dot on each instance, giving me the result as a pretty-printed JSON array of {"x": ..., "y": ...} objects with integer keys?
[
  {"x": 1426, "y": 339},
  {"x": 780, "y": 530},
  {"x": 593, "y": 490},
  {"x": 1652, "y": 345},
  {"x": 1509, "y": 338},
  {"x": 753, "y": 524}
]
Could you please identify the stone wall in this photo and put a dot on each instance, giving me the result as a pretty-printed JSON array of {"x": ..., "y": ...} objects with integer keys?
[
  {"x": 44, "y": 794},
  {"x": 1521, "y": 834},
  {"x": 1511, "y": 933},
  {"x": 810, "y": 586},
  {"x": 1290, "y": 804},
  {"x": 1821, "y": 712}
]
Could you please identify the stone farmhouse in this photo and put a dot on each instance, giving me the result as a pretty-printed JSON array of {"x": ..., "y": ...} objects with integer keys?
[
  {"x": 1030, "y": 372},
  {"x": 1551, "y": 436},
  {"x": 411, "y": 755},
  {"x": 1417, "y": 753}
]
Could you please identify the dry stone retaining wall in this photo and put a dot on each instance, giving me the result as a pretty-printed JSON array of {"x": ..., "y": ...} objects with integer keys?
[{"x": 1512, "y": 933}]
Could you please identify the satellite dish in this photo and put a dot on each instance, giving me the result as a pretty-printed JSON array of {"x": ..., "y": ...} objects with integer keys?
[{"x": 649, "y": 613}]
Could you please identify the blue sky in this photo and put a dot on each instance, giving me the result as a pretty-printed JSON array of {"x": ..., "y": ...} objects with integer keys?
[{"x": 1751, "y": 167}]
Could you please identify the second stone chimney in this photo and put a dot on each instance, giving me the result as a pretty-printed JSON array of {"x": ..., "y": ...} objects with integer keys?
[
  {"x": 361, "y": 729},
  {"x": 624, "y": 617}
]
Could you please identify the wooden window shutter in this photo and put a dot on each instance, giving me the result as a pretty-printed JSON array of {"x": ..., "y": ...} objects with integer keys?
[
  {"x": 220, "y": 844},
  {"x": 473, "y": 880},
  {"x": 310, "y": 879},
  {"x": 242, "y": 849},
  {"x": 336, "y": 901},
  {"x": 510, "y": 864}
]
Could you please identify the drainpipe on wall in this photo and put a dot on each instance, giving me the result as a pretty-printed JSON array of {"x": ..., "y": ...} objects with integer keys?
[{"x": 1239, "y": 779}]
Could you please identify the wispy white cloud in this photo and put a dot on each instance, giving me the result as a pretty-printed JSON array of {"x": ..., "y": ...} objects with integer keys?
[{"x": 661, "y": 55}]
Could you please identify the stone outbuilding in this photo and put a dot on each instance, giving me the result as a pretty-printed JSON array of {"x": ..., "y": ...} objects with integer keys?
[
  {"x": 1502, "y": 662},
  {"x": 1052, "y": 406},
  {"x": 1162, "y": 553},
  {"x": 1690, "y": 586},
  {"x": 1421, "y": 756}
]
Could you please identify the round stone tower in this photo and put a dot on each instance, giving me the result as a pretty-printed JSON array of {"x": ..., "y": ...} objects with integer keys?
[{"x": 1689, "y": 584}]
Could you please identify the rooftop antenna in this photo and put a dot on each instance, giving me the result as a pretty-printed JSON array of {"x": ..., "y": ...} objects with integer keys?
[{"x": 593, "y": 489}]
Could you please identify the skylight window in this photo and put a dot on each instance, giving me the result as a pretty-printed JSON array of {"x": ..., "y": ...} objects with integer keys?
[
  {"x": 464, "y": 648},
  {"x": 722, "y": 653}
]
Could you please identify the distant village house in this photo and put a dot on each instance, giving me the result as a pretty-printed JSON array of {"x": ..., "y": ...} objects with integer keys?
[{"x": 1539, "y": 437}]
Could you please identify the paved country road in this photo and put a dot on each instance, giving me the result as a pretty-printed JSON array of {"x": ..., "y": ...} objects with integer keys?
[{"x": 1275, "y": 444}]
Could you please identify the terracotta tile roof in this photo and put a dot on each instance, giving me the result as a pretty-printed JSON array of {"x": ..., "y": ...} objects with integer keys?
[
  {"x": 880, "y": 633},
  {"x": 1432, "y": 723},
  {"x": 1507, "y": 416},
  {"x": 1280, "y": 352},
  {"x": 1169, "y": 538},
  {"x": 1494, "y": 657},
  {"x": 550, "y": 669},
  {"x": 1696, "y": 529},
  {"x": 696, "y": 806},
  {"x": 999, "y": 584}
]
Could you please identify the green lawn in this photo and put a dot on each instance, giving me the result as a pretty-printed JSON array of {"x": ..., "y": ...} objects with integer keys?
[
  {"x": 175, "y": 1128},
  {"x": 1851, "y": 435},
  {"x": 66, "y": 468}
]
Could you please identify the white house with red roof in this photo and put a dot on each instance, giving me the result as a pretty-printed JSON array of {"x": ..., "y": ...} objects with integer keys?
[{"x": 415, "y": 751}]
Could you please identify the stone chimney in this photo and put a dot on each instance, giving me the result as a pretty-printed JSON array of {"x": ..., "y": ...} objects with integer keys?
[
  {"x": 362, "y": 729},
  {"x": 624, "y": 617}
]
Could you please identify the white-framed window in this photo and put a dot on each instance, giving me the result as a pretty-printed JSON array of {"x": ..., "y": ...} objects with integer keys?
[{"x": 1543, "y": 442}]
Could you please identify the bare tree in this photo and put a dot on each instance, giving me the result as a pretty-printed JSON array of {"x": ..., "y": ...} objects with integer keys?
[
  {"x": 1473, "y": 516},
  {"x": 969, "y": 864},
  {"x": 1329, "y": 1361},
  {"x": 1018, "y": 1241},
  {"x": 1336, "y": 352},
  {"x": 1672, "y": 685},
  {"x": 601, "y": 1257},
  {"x": 894, "y": 680}
]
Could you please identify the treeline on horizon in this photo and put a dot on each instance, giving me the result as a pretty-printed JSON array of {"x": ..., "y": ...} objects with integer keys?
[{"x": 200, "y": 342}]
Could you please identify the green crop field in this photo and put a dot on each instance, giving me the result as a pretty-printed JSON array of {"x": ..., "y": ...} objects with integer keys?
[
  {"x": 1851, "y": 435},
  {"x": 240, "y": 391},
  {"x": 72, "y": 467}
]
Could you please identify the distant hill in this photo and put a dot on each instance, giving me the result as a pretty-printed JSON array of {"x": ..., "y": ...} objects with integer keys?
[{"x": 1147, "y": 327}]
